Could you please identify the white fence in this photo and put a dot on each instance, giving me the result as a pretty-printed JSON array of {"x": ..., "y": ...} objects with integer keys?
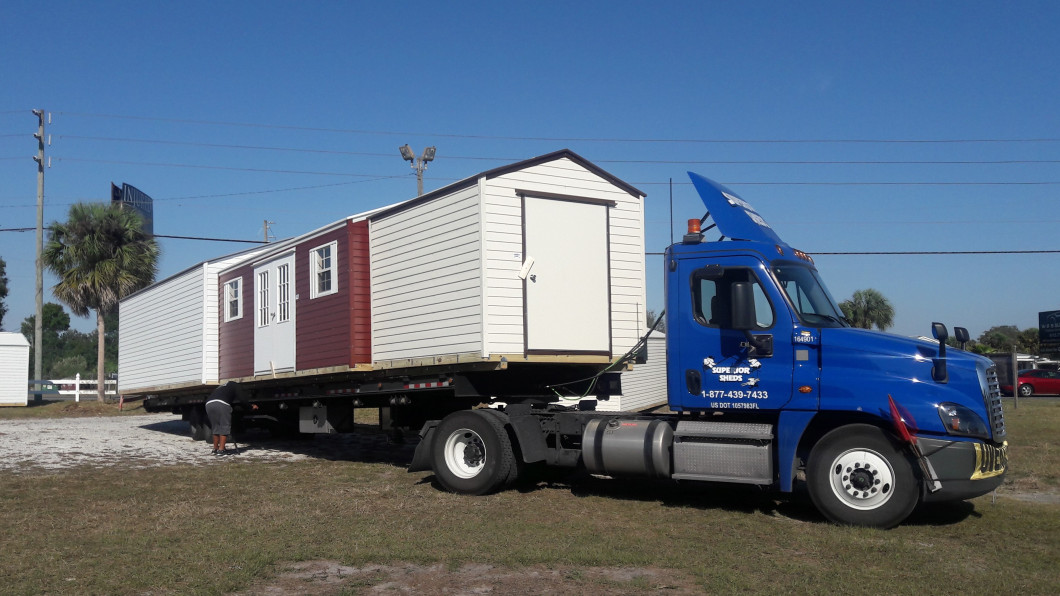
[{"x": 75, "y": 387}]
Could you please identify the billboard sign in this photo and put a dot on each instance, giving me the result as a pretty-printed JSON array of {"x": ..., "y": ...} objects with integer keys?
[
  {"x": 1049, "y": 332},
  {"x": 133, "y": 197}
]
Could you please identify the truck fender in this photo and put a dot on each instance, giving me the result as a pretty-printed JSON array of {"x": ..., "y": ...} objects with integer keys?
[
  {"x": 421, "y": 457},
  {"x": 530, "y": 438},
  {"x": 790, "y": 428}
]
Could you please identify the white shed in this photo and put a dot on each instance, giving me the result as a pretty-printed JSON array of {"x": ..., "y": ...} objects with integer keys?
[
  {"x": 14, "y": 369},
  {"x": 169, "y": 330},
  {"x": 533, "y": 261}
]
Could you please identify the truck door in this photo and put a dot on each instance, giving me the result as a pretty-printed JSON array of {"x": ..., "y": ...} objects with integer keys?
[
  {"x": 715, "y": 366},
  {"x": 274, "y": 330}
]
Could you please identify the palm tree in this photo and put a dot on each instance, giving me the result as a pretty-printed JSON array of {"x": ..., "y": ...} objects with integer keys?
[
  {"x": 868, "y": 308},
  {"x": 100, "y": 255}
]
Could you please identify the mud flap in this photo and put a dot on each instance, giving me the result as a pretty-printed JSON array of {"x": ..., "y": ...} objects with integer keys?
[{"x": 421, "y": 458}]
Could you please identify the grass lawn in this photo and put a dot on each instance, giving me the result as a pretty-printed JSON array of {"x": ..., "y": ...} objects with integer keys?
[
  {"x": 235, "y": 528},
  {"x": 71, "y": 409}
]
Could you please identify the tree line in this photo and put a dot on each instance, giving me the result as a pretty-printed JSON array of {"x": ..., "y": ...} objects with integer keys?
[{"x": 100, "y": 254}]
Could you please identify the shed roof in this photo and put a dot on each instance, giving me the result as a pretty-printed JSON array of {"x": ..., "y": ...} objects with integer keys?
[
  {"x": 519, "y": 165},
  {"x": 13, "y": 339}
]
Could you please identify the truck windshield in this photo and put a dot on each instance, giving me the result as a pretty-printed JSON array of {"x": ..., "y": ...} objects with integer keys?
[{"x": 807, "y": 293}]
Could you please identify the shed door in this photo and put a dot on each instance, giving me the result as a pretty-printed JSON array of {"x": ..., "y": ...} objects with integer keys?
[
  {"x": 566, "y": 288},
  {"x": 274, "y": 337}
]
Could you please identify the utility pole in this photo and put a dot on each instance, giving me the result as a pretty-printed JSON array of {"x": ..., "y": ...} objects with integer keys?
[
  {"x": 267, "y": 222},
  {"x": 418, "y": 163},
  {"x": 39, "y": 312}
]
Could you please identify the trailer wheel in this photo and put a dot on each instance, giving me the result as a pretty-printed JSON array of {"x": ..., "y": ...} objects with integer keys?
[
  {"x": 857, "y": 476},
  {"x": 472, "y": 454}
]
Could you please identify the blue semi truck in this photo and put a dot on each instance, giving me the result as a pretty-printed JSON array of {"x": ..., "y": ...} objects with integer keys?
[{"x": 768, "y": 385}]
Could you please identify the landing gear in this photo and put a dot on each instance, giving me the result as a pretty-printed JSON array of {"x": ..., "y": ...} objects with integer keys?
[{"x": 200, "y": 424}]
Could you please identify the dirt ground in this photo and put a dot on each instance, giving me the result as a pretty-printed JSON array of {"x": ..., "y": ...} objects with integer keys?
[
  {"x": 328, "y": 577},
  {"x": 30, "y": 445}
]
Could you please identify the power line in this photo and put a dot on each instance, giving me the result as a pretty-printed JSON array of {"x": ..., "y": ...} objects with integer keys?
[
  {"x": 210, "y": 239},
  {"x": 945, "y": 252},
  {"x": 793, "y": 183},
  {"x": 833, "y": 183},
  {"x": 229, "y": 168},
  {"x": 814, "y": 253},
  {"x": 515, "y": 159},
  {"x": 563, "y": 139},
  {"x": 72, "y": 200},
  {"x": 156, "y": 236},
  {"x": 918, "y": 252}
]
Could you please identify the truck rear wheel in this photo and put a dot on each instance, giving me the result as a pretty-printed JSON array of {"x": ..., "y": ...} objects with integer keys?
[
  {"x": 857, "y": 476},
  {"x": 472, "y": 454}
]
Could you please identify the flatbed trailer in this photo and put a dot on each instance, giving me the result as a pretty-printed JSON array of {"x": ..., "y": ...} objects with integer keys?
[{"x": 766, "y": 384}]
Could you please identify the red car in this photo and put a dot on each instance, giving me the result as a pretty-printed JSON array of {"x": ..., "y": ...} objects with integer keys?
[{"x": 1036, "y": 381}]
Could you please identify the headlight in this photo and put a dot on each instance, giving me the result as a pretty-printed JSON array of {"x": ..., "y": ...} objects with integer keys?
[{"x": 959, "y": 420}]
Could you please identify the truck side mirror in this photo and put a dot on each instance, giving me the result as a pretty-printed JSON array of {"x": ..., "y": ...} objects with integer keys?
[
  {"x": 743, "y": 306},
  {"x": 961, "y": 335},
  {"x": 938, "y": 369}
]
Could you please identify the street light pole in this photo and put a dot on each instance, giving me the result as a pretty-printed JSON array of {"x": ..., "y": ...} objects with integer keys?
[{"x": 418, "y": 163}]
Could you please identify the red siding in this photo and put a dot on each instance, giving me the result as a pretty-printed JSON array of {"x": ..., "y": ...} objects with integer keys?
[
  {"x": 236, "y": 338},
  {"x": 360, "y": 295},
  {"x": 334, "y": 330}
]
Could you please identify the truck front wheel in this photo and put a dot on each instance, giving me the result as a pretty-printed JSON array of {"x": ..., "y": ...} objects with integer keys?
[
  {"x": 472, "y": 453},
  {"x": 857, "y": 476}
]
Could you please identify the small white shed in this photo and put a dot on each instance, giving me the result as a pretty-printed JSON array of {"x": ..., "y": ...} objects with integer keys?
[
  {"x": 14, "y": 369},
  {"x": 169, "y": 330},
  {"x": 645, "y": 386}
]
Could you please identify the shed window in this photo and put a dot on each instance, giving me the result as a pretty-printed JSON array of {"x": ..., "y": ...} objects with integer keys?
[
  {"x": 322, "y": 264},
  {"x": 234, "y": 299},
  {"x": 283, "y": 293},
  {"x": 263, "y": 299}
]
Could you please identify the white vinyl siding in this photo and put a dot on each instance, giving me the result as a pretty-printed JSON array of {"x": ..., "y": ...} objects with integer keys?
[
  {"x": 14, "y": 369},
  {"x": 425, "y": 279},
  {"x": 645, "y": 385},
  {"x": 162, "y": 334},
  {"x": 504, "y": 258},
  {"x": 169, "y": 330}
]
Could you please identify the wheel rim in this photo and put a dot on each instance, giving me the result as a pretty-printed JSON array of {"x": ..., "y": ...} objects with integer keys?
[
  {"x": 862, "y": 479},
  {"x": 465, "y": 453},
  {"x": 1026, "y": 390}
]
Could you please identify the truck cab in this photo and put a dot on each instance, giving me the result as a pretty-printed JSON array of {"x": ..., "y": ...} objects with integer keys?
[{"x": 874, "y": 422}]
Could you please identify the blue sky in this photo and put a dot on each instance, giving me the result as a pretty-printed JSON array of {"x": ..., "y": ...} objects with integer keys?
[{"x": 233, "y": 113}]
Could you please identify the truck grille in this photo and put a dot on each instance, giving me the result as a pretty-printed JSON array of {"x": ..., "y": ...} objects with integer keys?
[{"x": 993, "y": 404}]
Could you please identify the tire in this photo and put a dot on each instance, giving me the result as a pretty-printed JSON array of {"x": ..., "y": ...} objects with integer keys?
[
  {"x": 857, "y": 476},
  {"x": 472, "y": 453},
  {"x": 1026, "y": 390}
]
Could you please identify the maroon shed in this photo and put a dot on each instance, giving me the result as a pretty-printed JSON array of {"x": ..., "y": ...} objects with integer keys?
[{"x": 303, "y": 305}]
